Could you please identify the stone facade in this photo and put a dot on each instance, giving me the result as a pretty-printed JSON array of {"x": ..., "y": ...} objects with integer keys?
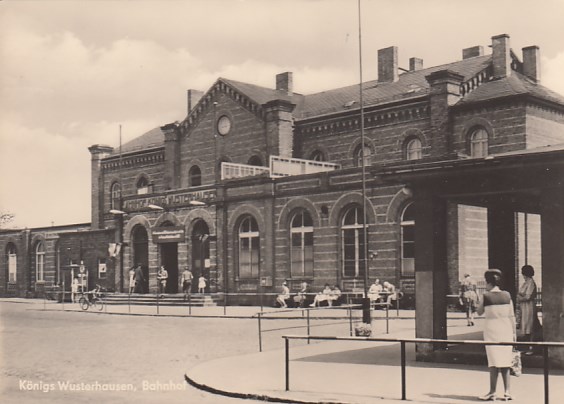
[{"x": 238, "y": 229}]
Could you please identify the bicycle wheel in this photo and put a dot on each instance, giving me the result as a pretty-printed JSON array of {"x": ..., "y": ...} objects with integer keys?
[
  {"x": 83, "y": 303},
  {"x": 99, "y": 304}
]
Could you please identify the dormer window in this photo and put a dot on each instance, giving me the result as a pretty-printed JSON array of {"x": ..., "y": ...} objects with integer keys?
[{"x": 479, "y": 143}]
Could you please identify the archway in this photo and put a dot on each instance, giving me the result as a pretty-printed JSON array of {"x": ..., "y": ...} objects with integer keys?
[
  {"x": 201, "y": 252},
  {"x": 141, "y": 255}
]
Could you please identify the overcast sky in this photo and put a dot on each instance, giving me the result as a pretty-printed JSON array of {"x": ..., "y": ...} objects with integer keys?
[{"x": 72, "y": 71}]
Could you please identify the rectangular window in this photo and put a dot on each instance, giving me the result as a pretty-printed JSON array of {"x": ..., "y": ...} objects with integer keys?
[
  {"x": 248, "y": 257},
  {"x": 12, "y": 266}
]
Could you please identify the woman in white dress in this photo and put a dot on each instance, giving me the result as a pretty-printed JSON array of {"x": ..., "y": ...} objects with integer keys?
[{"x": 499, "y": 326}]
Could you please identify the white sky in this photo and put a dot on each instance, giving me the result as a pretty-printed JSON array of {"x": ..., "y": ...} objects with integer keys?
[{"x": 72, "y": 71}]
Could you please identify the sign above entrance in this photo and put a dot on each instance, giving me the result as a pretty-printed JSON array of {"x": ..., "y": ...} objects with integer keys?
[
  {"x": 172, "y": 200},
  {"x": 169, "y": 235}
]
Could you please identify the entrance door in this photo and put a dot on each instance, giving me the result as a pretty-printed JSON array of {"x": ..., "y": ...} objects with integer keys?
[
  {"x": 201, "y": 252},
  {"x": 141, "y": 256},
  {"x": 169, "y": 259}
]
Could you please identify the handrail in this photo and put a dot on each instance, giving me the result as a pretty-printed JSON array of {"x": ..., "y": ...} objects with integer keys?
[{"x": 403, "y": 341}]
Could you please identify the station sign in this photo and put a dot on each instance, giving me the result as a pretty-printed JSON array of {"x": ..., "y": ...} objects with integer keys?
[
  {"x": 170, "y": 201},
  {"x": 169, "y": 234}
]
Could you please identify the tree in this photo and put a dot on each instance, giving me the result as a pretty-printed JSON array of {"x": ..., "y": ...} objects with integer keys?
[{"x": 5, "y": 218}]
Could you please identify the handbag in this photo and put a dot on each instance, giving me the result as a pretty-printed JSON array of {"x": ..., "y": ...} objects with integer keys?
[{"x": 516, "y": 367}]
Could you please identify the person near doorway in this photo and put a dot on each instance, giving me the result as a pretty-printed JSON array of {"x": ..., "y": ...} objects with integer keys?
[
  {"x": 74, "y": 289},
  {"x": 529, "y": 322},
  {"x": 202, "y": 284},
  {"x": 499, "y": 326},
  {"x": 162, "y": 277},
  {"x": 131, "y": 280},
  {"x": 139, "y": 279},
  {"x": 469, "y": 298},
  {"x": 284, "y": 294},
  {"x": 186, "y": 281}
]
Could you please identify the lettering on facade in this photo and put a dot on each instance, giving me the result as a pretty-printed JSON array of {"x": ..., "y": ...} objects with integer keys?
[
  {"x": 168, "y": 235},
  {"x": 170, "y": 200}
]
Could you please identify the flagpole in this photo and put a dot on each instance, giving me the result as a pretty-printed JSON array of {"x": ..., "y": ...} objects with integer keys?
[
  {"x": 120, "y": 221},
  {"x": 366, "y": 317}
]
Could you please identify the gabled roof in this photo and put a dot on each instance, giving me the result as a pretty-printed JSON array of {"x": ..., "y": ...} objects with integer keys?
[
  {"x": 262, "y": 95},
  {"x": 515, "y": 84},
  {"x": 410, "y": 85},
  {"x": 148, "y": 140}
]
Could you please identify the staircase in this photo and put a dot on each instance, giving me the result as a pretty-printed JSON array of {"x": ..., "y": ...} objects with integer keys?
[{"x": 166, "y": 300}]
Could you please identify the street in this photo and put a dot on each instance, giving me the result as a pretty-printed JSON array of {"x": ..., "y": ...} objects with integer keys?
[{"x": 58, "y": 357}]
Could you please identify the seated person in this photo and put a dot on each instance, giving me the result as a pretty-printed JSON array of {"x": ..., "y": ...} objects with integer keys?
[
  {"x": 334, "y": 296},
  {"x": 285, "y": 294},
  {"x": 322, "y": 296},
  {"x": 375, "y": 291},
  {"x": 391, "y": 291},
  {"x": 301, "y": 298}
]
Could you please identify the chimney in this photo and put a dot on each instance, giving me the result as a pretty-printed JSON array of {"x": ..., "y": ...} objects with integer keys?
[
  {"x": 501, "y": 56},
  {"x": 415, "y": 64},
  {"x": 98, "y": 153},
  {"x": 285, "y": 82},
  {"x": 388, "y": 65},
  {"x": 172, "y": 156},
  {"x": 472, "y": 52},
  {"x": 193, "y": 97},
  {"x": 531, "y": 63}
]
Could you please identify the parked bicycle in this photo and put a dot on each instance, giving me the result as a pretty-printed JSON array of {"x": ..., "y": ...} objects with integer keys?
[{"x": 92, "y": 299}]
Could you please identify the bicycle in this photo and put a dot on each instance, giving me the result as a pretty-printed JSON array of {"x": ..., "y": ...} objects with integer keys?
[{"x": 92, "y": 299}]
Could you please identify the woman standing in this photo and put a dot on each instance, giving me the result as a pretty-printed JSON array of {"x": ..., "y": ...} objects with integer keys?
[
  {"x": 526, "y": 299},
  {"x": 499, "y": 326}
]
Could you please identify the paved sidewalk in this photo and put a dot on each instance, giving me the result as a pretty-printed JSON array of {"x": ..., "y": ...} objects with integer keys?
[{"x": 360, "y": 372}]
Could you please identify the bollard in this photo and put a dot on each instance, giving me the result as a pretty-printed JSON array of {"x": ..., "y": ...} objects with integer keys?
[
  {"x": 403, "y": 380},
  {"x": 287, "y": 359},
  {"x": 308, "y": 325},
  {"x": 350, "y": 322}
]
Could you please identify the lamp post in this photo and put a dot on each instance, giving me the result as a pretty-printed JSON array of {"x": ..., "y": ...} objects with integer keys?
[
  {"x": 119, "y": 214},
  {"x": 366, "y": 317}
]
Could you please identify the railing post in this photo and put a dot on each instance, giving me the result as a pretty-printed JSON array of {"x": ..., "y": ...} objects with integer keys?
[
  {"x": 403, "y": 380},
  {"x": 129, "y": 302},
  {"x": 225, "y": 304},
  {"x": 260, "y": 333},
  {"x": 308, "y": 325},
  {"x": 157, "y": 302},
  {"x": 387, "y": 318},
  {"x": 189, "y": 304},
  {"x": 350, "y": 322},
  {"x": 287, "y": 361},
  {"x": 545, "y": 364}
]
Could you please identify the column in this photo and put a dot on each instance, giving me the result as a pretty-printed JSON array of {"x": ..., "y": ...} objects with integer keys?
[
  {"x": 431, "y": 276},
  {"x": 552, "y": 255}
]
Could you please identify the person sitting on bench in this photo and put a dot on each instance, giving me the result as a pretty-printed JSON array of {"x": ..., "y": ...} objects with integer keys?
[
  {"x": 322, "y": 296},
  {"x": 285, "y": 294}
]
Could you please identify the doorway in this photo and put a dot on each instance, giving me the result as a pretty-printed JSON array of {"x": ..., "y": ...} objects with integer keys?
[
  {"x": 141, "y": 256},
  {"x": 169, "y": 259},
  {"x": 201, "y": 252}
]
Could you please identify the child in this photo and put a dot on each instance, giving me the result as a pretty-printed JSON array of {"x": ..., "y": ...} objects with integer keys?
[{"x": 202, "y": 284}]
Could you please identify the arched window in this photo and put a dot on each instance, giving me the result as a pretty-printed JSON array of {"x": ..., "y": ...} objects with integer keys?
[
  {"x": 40, "y": 262},
  {"x": 12, "y": 263},
  {"x": 195, "y": 176},
  {"x": 143, "y": 186},
  {"x": 115, "y": 202},
  {"x": 367, "y": 156},
  {"x": 249, "y": 247},
  {"x": 408, "y": 241},
  {"x": 301, "y": 249},
  {"x": 352, "y": 234},
  {"x": 317, "y": 155},
  {"x": 255, "y": 161},
  {"x": 479, "y": 143},
  {"x": 413, "y": 149}
]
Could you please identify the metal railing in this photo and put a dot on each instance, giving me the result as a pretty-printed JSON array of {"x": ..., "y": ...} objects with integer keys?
[{"x": 404, "y": 341}]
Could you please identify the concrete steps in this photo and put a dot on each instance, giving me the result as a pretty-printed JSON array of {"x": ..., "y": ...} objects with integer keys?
[{"x": 166, "y": 300}]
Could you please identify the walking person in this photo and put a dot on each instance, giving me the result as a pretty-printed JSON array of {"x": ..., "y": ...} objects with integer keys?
[
  {"x": 131, "y": 280},
  {"x": 469, "y": 298},
  {"x": 526, "y": 298},
  {"x": 186, "y": 281},
  {"x": 162, "y": 277},
  {"x": 499, "y": 326},
  {"x": 74, "y": 289},
  {"x": 202, "y": 284}
]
